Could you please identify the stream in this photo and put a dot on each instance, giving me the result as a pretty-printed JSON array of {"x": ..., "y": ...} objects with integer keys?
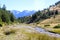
[{"x": 40, "y": 30}]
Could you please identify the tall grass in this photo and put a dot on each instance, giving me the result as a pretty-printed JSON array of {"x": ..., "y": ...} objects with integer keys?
[{"x": 23, "y": 34}]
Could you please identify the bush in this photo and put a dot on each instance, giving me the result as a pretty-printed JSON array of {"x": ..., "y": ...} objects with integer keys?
[
  {"x": 9, "y": 32},
  {"x": 46, "y": 25},
  {"x": 0, "y": 25},
  {"x": 58, "y": 26}
]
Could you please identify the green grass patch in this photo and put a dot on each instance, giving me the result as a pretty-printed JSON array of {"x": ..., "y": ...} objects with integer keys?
[
  {"x": 56, "y": 31},
  {"x": 58, "y": 26}
]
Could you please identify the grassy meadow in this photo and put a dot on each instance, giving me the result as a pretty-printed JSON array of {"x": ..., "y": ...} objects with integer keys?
[{"x": 12, "y": 32}]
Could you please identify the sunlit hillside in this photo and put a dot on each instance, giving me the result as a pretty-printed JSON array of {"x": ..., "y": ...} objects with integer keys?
[{"x": 51, "y": 21}]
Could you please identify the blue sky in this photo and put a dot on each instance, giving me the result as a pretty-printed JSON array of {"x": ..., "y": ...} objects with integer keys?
[{"x": 21, "y": 5}]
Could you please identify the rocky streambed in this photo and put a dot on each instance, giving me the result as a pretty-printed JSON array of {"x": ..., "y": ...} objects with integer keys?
[{"x": 39, "y": 30}]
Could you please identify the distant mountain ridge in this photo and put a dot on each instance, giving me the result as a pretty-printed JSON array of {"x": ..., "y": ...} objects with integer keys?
[{"x": 23, "y": 13}]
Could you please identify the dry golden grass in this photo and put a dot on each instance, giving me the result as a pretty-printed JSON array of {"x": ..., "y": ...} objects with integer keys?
[
  {"x": 23, "y": 33},
  {"x": 52, "y": 21}
]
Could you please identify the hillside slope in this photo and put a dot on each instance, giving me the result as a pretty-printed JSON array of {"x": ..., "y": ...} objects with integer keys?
[{"x": 51, "y": 21}]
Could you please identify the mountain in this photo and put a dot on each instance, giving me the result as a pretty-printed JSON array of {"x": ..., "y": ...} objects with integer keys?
[{"x": 23, "y": 13}]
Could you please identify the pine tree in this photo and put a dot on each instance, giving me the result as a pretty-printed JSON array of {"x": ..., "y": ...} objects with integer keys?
[
  {"x": 12, "y": 18},
  {"x": 4, "y": 7}
]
